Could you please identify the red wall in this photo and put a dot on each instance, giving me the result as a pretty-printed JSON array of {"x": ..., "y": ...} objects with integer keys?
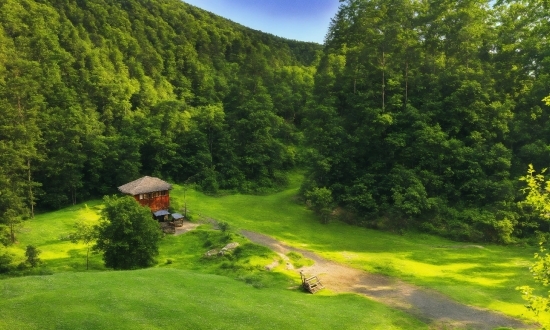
[{"x": 155, "y": 203}]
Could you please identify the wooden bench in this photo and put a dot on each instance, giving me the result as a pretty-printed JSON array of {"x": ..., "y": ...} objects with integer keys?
[{"x": 311, "y": 284}]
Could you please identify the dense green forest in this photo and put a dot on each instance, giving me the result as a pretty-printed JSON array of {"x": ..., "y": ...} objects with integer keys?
[
  {"x": 414, "y": 114},
  {"x": 94, "y": 94},
  {"x": 425, "y": 113}
]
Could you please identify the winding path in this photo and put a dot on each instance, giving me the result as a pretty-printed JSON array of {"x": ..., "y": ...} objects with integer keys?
[{"x": 427, "y": 305}]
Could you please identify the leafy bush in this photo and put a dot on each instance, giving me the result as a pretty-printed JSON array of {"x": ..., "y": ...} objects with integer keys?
[
  {"x": 5, "y": 260},
  {"x": 32, "y": 255},
  {"x": 128, "y": 235}
]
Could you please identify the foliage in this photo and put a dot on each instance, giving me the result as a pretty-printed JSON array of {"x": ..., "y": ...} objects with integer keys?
[
  {"x": 32, "y": 254},
  {"x": 5, "y": 260},
  {"x": 538, "y": 191},
  {"x": 415, "y": 115},
  {"x": 128, "y": 236},
  {"x": 224, "y": 226},
  {"x": 320, "y": 200},
  {"x": 86, "y": 233},
  {"x": 94, "y": 95},
  {"x": 425, "y": 113}
]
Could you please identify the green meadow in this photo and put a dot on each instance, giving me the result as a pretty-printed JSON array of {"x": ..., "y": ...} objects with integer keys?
[
  {"x": 483, "y": 275},
  {"x": 186, "y": 290},
  {"x": 161, "y": 298}
]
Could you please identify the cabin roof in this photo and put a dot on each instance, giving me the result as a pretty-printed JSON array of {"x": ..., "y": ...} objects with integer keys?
[
  {"x": 144, "y": 185},
  {"x": 177, "y": 216},
  {"x": 161, "y": 213}
]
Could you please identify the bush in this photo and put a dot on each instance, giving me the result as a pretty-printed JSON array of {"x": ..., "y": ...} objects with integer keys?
[
  {"x": 5, "y": 260},
  {"x": 128, "y": 236},
  {"x": 224, "y": 226},
  {"x": 320, "y": 201},
  {"x": 32, "y": 255}
]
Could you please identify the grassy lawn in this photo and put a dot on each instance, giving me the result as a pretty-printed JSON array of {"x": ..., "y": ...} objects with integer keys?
[
  {"x": 46, "y": 232},
  {"x": 479, "y": 275},
  {"x": 161, "y": 298},
  {"x": 184, "y": 291}
]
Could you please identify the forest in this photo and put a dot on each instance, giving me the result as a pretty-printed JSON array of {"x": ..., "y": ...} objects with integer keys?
[{"x": 413, "y": 115}]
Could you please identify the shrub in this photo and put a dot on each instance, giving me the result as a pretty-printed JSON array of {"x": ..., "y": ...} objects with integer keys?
[
  {"x": 32, "y": 255},
  {"x": 128, "y": 236}
]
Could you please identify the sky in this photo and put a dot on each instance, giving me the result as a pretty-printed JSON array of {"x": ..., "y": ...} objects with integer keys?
[{"x": 304, "y": 20}]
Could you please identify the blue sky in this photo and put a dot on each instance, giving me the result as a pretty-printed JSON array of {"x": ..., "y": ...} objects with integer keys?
[{"x": 304, "y": 20}]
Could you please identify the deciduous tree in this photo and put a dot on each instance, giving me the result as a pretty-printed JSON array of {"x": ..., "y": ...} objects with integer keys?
[
  {"x": 128, "y": 235},
  {"x": 85, "y": 233}
]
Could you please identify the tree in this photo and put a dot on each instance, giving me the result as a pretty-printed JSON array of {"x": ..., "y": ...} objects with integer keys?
[
  {"x": 5, "y": 260},
  {"x": 320, "y": 200},
  {"x": 128, "y": 236},
  {"x": 85, "y": 233},
  {"x": 32, "y": 255},
  {"x": 538, "y": 197}
]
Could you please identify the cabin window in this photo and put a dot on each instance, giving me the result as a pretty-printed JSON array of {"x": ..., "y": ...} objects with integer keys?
[
  {"x": 163, "y": 193},
  {"x": 141, "y": 196}
]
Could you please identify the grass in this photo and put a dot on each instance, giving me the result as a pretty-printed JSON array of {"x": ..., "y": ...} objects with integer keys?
[
  {"x": 46, "y": 232},
  {"x": 484, "y": 276},
  {"x": 177, "y": 299}
]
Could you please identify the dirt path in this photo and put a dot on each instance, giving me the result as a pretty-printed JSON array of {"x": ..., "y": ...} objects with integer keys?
[
  {"x": 429, "y": 306},
  {"x": 187, "y": 226}
]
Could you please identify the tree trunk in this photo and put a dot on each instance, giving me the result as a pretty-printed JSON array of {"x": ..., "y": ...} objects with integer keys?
[
  {"x": 31, "y": 195},
  {"x": 383, "y": 81}
]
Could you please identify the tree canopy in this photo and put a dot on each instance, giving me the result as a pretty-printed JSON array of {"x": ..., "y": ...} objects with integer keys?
[
  {"x": 127, "y": 235},
  {"x": 424, "y": 114}
]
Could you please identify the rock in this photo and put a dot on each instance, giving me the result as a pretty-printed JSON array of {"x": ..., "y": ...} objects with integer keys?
[
  {"x": 228, "y": 248},
  {"x": 211, "y": 253}
]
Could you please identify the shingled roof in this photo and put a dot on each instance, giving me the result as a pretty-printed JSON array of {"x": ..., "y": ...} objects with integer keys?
[{"x": 144, "y": 185}]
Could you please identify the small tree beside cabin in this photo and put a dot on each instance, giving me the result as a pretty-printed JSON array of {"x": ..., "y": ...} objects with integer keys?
[{"x": 149, "y": 191}]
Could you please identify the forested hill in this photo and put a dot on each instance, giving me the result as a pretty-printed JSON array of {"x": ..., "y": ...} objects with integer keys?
[
  {"x": 427, "y": 113},
  {"x": 95, "y": 93},
  {"x": 414, "y": 114}
]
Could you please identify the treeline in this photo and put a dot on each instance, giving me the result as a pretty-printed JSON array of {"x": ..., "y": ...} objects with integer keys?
[
  {"x": 95, "y": 93},
  {"x": 426, "y": 113}
]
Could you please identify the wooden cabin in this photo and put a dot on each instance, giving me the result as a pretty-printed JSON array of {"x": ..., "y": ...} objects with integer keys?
[{"x": 149, "y": 191}]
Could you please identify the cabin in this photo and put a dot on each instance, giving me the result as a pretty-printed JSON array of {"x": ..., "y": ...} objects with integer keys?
[{"x": 149, "y": 191}]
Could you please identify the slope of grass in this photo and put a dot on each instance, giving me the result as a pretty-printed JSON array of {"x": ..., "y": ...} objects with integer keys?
[
  {"x": 484, "y": 276},
  {"x": 46, "y": 231},
  {"x": 176, "y": 299}
]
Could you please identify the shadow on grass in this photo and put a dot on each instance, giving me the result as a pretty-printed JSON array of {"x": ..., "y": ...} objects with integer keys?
[{"x": 75, "y": 261}]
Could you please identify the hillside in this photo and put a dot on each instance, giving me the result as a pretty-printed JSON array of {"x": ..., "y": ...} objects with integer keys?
[
  {"x": 176, "y": 299},
  {"x": 95, "y": 93},
  {"x": 426, "y": 114}
]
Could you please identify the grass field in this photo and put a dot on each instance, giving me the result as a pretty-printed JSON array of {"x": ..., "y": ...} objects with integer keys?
[
  {"x": 160, "y": 298},
  {"x": 184, "y": 291},
  {"x": 477, "y": 275},
  {"x": 480, "y": 275}
]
